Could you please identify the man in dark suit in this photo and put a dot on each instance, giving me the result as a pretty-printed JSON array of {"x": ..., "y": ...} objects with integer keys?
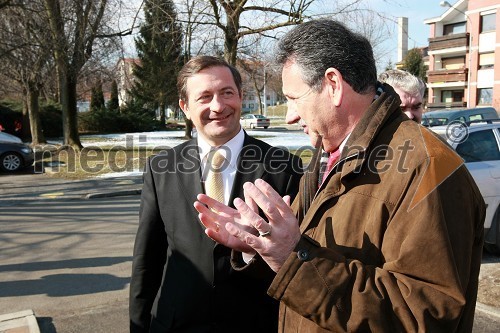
[{"x": 182, "y": 281}]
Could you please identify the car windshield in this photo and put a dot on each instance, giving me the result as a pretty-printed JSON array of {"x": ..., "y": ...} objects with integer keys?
[
  {"x": 434, "y": 121},
  {"x": 259, "y": 116}
]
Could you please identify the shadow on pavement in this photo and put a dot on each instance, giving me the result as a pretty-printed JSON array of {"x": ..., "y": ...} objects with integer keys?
[
  {"x": 61, "y": 264},
  {"x": 62, "y": 285},
  {"x": 46, "y": 325}
]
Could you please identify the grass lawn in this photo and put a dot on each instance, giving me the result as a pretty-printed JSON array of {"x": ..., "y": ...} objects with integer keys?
[{"x": 95, "y": 161}]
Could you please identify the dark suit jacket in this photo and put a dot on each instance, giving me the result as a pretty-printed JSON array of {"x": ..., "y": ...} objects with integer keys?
[{"x": 182, "y": 281}]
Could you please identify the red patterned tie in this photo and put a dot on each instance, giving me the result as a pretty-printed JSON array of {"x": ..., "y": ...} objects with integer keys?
[{"x": 332, "y": 159}]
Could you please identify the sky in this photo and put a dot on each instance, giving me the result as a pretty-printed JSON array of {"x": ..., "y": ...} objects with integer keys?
[{"x": 417, "y": 11}]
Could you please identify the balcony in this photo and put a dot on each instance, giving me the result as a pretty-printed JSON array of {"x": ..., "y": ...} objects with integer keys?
[
  {"x": 447, "y": 75},
  {"x": 449, "y": 41},
  {"x": 443, "y": 105}
]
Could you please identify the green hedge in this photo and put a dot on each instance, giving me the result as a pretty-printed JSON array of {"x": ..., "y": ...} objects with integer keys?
[
  {"x": 50, "y": 117},
  {"x": 130, "y": 119}
]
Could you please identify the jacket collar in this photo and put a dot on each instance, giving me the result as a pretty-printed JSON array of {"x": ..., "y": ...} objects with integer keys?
[{"x": 355, "y": 152}]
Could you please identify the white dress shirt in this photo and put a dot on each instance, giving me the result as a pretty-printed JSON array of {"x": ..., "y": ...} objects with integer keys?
[{"x": 230, "y": 150}]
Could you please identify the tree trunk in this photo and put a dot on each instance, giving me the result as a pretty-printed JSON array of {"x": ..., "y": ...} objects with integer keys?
[
  {"x": 189, "y": 128},
  {"x": 25, "y": 129},
  {"x": 37, "y": 136},
  {"x": 69, "y": 112},
  {"x": 231, "y": 32},
  {"x": 162, "y": 114},
  {"x": 230, "y": 48}
]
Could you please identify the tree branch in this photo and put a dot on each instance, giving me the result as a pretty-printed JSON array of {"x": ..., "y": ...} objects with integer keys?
[
  {"x": 270, "y": 27},
  {"x": 216, "y": 15},
  {"x": 295, "y": 14}
]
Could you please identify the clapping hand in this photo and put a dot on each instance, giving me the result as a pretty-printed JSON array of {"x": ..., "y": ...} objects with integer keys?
[{"x": 244, "y": 230}]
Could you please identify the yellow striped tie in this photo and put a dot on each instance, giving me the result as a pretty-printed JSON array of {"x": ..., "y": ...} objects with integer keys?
[{"x": 214, "y": 185}]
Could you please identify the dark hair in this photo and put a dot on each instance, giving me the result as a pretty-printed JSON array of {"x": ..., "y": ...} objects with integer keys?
[
  {"x": 198, "y": 64},
  {"x": 320, "y": 44}
]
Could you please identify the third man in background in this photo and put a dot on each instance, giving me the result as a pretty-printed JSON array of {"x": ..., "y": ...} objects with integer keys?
[{"x": 410, "y": 89}]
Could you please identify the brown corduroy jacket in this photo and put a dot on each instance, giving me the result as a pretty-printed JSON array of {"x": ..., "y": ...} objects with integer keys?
[{"x": 392, "y": 241}]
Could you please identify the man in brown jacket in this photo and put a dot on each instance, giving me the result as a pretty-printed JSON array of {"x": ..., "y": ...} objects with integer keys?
[{"x": 391, "y": 239}]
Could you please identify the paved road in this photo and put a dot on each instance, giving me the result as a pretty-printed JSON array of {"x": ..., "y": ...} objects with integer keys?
[{"x": 69, "y": 258}]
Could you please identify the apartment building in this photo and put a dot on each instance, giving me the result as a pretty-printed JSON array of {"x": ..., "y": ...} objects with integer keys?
[{"x": 464, "y": 55}]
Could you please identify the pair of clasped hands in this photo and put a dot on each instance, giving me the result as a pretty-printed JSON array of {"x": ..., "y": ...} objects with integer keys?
[{"x": 242, "y": 229}]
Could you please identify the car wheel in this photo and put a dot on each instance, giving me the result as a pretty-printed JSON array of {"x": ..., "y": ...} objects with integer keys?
[
  {"x": 10, "y": 162},
  {"x": 265, "y": 127},
  {"x": 252, "y": 126}
]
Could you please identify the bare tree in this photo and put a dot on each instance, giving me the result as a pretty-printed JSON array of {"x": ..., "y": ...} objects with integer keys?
[
  {"x": 256, "y": 69},
  {"x": 77, "y": 27},
  {"x": 74, "y": 29},
  {"x": 236, "y": 19},
  {"x": 243, "y": 26},
  {"x": 25, "y": 59}
]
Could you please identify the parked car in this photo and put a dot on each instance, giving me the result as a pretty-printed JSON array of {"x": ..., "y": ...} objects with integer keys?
[
  {"x": 444, "y": 117},
  {"x": 479, "y": 145},
  {"x": 14, "y": 154},
  {"x": 6, "y": 137},
  {"x": 254, "y": 120}
]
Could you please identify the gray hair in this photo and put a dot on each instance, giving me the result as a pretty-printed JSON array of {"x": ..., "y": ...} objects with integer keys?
[
  {"x": 403, "y": 80},
  {"x": 321, "y": 44}
]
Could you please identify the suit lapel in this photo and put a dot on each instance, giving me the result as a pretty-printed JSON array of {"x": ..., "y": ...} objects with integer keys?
[{"x": 189, "y": 172}]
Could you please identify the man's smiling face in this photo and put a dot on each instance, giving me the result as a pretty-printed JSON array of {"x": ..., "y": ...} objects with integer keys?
[{"x": 213, "y": 104}]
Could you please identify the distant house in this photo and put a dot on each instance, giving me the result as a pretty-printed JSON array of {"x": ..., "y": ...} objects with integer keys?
[
  {"x": 125, "y": 78},
  {"x": 253, "y": 73}
]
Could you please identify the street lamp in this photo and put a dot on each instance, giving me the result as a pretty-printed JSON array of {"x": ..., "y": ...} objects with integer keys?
[{"x": 447, "y": 4}]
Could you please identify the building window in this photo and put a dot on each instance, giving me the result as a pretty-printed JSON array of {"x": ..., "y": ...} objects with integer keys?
[
  {"x": 250, "y": 106},
  {"x": 486, "y": 60},
  {"x": 451, "y": 96},
  {"x": 485, "y": 96},
  {"x": 453, "y": 63},
  {"x": 488, "y": 22},
  {"x": 454, "y": 28},
  {"x": 244, "y": 105}
]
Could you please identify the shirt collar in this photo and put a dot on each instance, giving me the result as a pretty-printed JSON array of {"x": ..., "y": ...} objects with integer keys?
[{"x": 233, "y": 146}]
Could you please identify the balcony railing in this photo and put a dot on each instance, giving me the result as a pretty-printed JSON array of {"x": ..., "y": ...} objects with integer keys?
[
  {"x": 448, "y": 41},
  {"x": 447, "y": 75},
  {"x": 441, "y": 105}
]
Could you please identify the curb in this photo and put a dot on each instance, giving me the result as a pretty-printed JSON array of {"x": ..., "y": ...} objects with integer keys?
[
  {"x": 112, "y": 194},
  {"x": 22, "y": 321},
  {"x": 488, "y": 309}
]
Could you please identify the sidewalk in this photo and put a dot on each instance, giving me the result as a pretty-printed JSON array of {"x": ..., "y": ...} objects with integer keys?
[
  {"x": 24, "y": 191},
  {"x": 19, "y": 322},
  {"x": 30, "y": 187}
]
